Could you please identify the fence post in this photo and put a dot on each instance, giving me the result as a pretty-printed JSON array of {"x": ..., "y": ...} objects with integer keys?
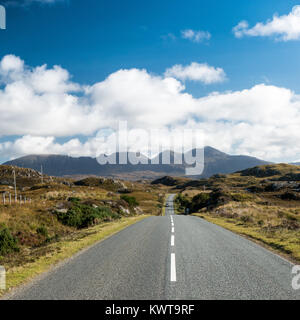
[
  {"x": 9, "y": 198},
  {"x": 15, "y": 186},
  {"x": 20, "y": 199},
  {"x": 3, "y": 196}
]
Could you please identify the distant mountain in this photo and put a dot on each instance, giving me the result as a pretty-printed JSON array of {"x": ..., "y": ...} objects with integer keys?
[
  {"x": 59, "y": 165},
  {"x": 220, "y": 162}
]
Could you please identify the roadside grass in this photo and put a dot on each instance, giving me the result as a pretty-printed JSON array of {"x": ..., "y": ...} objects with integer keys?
[
  {"x": 80, "y": 192},
  {"x": 66, "y": 248},
  {"x": 191, "y": 193},
  {"x": 150, "y": 201},
  {"x": 176, "y": 206},
  {"x": 163, "y": 211}
]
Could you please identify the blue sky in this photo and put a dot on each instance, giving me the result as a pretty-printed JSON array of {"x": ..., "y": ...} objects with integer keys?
[{"x": 94, "y": 39}]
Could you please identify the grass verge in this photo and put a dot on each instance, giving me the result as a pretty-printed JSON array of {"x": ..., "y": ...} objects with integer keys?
[
  {"x": 176, "y": 204},
  {"x": 65, "y": 249},
  {"x": 286, "y": 245}
]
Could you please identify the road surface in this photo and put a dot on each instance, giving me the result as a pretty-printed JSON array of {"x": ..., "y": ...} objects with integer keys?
[{"x": 169, "y": 257}]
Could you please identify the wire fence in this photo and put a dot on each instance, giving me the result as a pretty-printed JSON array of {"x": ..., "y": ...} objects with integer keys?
[{"x": 9, "y": 199}]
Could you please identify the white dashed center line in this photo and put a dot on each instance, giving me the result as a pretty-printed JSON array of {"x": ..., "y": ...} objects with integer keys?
[
  {"x": 173, "y": 268},
  {"x": 172, "y": 240},
  {"x": 173, "y": 263}
]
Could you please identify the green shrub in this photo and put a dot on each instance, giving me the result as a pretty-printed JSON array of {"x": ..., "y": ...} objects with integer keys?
[
  {"x": 200, "y": 201},
  {"x": 182, "y": 201},
  {"x": 260, "y": 223},
  {"x": 83, "y": 216},
  {"x": 130, "y": 200},
  {"x": 240, "y": 197},
  {"x": 72, "y": 218},
  {"x": 246, "y": 219},
  {"x": 42, "y": 231},
  {"x": 74, "y": 199},
  {"x": 219, "y": 196},
  {"x": 8, "y": 243}
]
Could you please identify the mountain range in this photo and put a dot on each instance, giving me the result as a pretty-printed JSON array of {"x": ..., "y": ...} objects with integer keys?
[{"x": 61, "y": 165}]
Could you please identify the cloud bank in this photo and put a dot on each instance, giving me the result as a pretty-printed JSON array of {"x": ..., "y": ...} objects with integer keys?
[
  {"x": 42, "y": 104},
  {"x": 283, "y": 28}
]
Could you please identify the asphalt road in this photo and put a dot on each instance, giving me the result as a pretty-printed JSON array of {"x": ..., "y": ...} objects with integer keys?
[{"x": 170, "y": 257}]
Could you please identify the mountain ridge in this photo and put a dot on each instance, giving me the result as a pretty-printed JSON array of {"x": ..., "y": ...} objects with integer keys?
[{"x": 62, "y": 165}]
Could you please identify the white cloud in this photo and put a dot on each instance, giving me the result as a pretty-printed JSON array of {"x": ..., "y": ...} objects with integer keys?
[
  {"x": 197, "y": 72},
  {"x": 44, "y": 145},
  {"x": 241, "y": 29},
  {"x": 262, "y": 121},
  {"x": 195, "y": 35},
  {"x": 284, "y": 28},
  {"x": 138, "y": 97},
  {"x": 11, "y": 63},
  {"x": 40, "y": 101}
]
